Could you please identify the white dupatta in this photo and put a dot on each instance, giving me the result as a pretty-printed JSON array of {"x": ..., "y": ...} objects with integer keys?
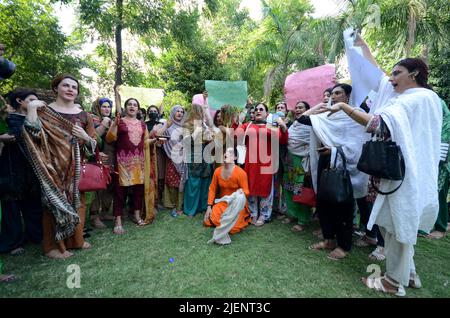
[
  {"x": 339, "y": 130},
  {"x": 414, "y": 119}
]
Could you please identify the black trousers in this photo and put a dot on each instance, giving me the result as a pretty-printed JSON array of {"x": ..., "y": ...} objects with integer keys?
[
  {"x": 21, "y": 222},
  {"x": 336, "y": 220},
  {"x": 364, "y": 209}
]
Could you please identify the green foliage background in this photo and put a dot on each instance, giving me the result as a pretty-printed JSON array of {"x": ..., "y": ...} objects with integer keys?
[{"x": 179, "y": 44}]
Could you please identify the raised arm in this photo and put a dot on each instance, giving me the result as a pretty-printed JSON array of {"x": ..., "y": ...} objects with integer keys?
[
  {"x": 359, "y": 41},
  {"x": 32, "y": 116},
  {"x": 111, "y": 136}
]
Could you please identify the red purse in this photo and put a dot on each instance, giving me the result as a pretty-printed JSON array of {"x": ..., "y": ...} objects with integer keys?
[
  {"x": 94, "y": 176},
  {"x": 306, "y": 197}
]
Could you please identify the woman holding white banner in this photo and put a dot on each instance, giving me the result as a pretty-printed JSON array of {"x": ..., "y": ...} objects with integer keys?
[{"x": 413, "y": 115}]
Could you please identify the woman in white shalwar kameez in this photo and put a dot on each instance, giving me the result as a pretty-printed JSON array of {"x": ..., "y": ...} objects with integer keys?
[{"x": 413, "y": 116}]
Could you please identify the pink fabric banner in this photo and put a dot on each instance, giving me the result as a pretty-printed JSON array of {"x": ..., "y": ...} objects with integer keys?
[{"x": 308, "y": 85}]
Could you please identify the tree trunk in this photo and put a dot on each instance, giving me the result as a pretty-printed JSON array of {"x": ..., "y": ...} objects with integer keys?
[
  {"x": 425, "y": 53},
  {"x": 118, "y": 38}
]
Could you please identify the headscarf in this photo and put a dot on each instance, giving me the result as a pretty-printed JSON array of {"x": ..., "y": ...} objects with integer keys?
[
  {"x": 174, "y": 146},
  {"x": 97, "y": 105}
]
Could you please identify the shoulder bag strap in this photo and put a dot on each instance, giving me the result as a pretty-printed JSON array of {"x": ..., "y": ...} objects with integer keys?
[
  {"x": 344, "y": 160},
  {"x": 398, "y": 187}
]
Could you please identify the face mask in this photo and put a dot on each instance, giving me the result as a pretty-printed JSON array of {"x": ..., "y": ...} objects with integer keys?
[{"x": 153, "y": 116}]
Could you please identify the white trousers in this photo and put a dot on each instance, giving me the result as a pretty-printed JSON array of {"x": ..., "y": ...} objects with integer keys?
[{"x": 399, "y": 258}]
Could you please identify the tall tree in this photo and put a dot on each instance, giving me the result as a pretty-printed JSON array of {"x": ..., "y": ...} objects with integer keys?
[
  {"x": 35, "y": 43},
  {"x": 111, "y": 17},
  {"x": 281, "y": 44}
]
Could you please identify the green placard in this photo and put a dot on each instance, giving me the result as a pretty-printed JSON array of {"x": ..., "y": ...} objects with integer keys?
[{"x": 225, "y": 92}]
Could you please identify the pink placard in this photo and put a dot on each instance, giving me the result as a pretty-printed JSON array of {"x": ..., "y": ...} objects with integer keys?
[
  {"x": 198, "y": 99},
  {"x": 308, "y": 85}
]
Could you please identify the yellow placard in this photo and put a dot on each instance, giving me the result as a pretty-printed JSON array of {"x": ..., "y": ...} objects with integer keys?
[{"x": 145, "y": 96}]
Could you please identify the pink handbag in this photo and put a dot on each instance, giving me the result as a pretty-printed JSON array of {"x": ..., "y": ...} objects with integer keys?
[{"x": 94, "y": 176}]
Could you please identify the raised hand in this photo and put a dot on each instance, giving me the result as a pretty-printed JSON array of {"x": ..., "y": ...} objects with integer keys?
[
  {"x": 7, "y": 138},
  {"x": 36, "y": 104},
  {"x": 106, "y": 122},
  {"x": 318, "y": 109},
  {"x": 335, "y": 108},
  {"x": 359, "y": 41}
]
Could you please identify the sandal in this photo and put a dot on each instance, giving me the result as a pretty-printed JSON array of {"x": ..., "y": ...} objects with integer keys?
[
  {"x": 377, "y": 284},
  {"x": 337, "y": 254},
  {"x": 414, "y": 281},
  {"x": 377, "y": 254},
  {"x": 321, "y": 246},
  {"x": 118, "y": 229},
  {"x": 298, "y": 228},
  {"x": 17, "y": 251},
  {"x": 141, "y": 222},
  {"x": 260, "y": 222},
  {"x": 56, "y": 254},
  {"x": 365, "y": 241},
  {"x": 7, "y": 278},
  {"x": 98, "y": 224},
  {"x": 173, "y": 213},
  {"x": 86, "y": 245},
  {"x": 286, "y": 220},
  {"x": 437, "y": 235}
]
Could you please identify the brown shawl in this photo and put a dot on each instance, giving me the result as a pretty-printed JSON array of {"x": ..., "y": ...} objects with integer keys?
[{"x": 54, "y": 155}]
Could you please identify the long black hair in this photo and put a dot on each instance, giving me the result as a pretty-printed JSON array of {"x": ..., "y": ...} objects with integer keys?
[{"x": 19, "y": 93}]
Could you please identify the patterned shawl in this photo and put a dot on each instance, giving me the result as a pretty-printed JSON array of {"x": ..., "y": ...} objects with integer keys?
[{"x": 54, "y": 155}]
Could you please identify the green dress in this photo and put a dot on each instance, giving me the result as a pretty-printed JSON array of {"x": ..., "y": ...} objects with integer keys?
[
  {"x": 3, "y": 130},
  {"x": 294, "y": 177},
  {"x": 444, "y": 174}
]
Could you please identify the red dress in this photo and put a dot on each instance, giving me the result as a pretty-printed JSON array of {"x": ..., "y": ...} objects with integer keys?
[{"x": 260, "y": 163}]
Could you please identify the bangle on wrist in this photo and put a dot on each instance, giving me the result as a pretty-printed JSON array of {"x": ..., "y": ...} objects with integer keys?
[{"x": 350, "y": 115}]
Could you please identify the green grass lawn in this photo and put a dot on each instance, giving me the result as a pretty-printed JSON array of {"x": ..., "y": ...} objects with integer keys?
[{"x": 271, "y": 261}]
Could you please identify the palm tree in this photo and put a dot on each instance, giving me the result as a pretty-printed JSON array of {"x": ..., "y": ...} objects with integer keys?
[{"x": 283, "y": 43}]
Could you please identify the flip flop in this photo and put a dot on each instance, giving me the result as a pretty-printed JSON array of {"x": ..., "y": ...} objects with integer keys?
[
  {"x": 7, "y": 278},
  {"x": 298, "y": 228},
  {"x": 334, "y": 256},
  {"x": 320, "y": 246}
]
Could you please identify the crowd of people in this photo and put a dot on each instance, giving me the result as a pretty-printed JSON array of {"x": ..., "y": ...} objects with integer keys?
[{"x": 187, "y": 164}]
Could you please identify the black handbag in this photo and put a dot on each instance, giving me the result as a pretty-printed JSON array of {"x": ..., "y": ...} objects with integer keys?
[
  {"x": 382, "y": 159},
  {"x": 335, "y": 185}
]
